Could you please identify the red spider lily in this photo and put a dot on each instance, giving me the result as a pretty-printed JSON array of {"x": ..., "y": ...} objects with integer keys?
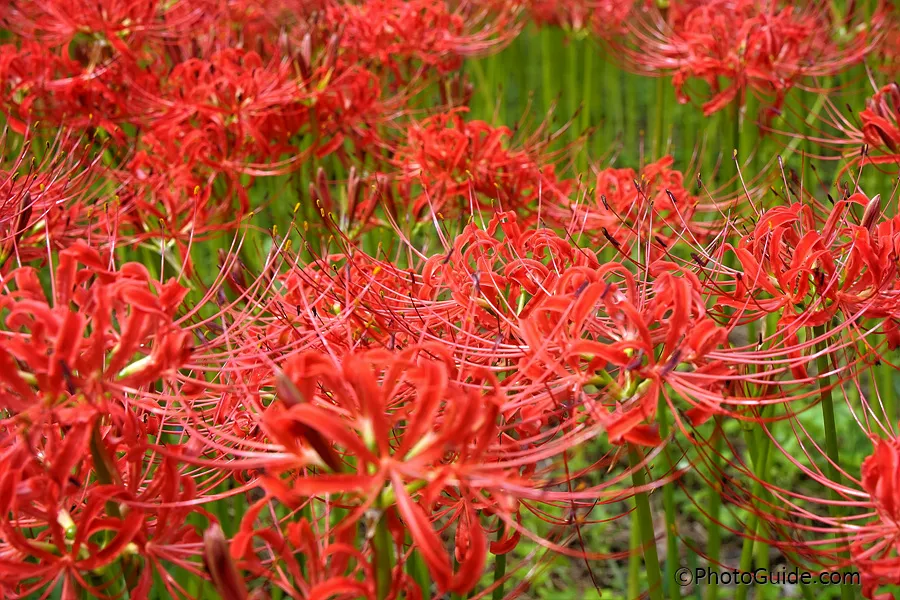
[
  {"x": 520, "y": 298},
  {"x": 645, "y": 339},
  {"x": 88, "y": 506},
  {"x": 880, "y": 126},
  {"x": 257, "y": 26},
  {"x": 123, "y": 24},
  {"x": 51, "y": 344},
  {"x": 60, "y": 89},
  {"x": 333, "y": 563},
  {"x": 799, "y": 523},
  {"x": 351, "y": 108},
  {"x": 877, "y": 131},
  {"x": 46, "y": 194},
  {"x": 65, "y": 552},
  {"x": 397, "y": 435},
  {"x": 457, "y": 164},
  {"x": 65, "y": 483},
  {"x": 474, "y": 292},
  {"x": 877, "y": 558},
  {"x": 531, "y": 296},
  {"x": 628, "y": 207},
  {"x": 225, "y": 110},
  {"x": 85, "y": 62},
  {"x": 604, "y": 17},
  {"x": 209, "y": 122},
  {"x": 247, "y": 104},
  {"x": 760, "y": 46},
  {"x": 429, "y": 32},
  {"x": 330, "y": 445},
  {"x": 808, "y": 271}
]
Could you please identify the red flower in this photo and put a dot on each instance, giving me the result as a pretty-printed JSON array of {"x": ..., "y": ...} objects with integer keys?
[
  {"x": 332, "y": 565},
  {"x": 47, "y": 201},
  {"x": 878, "y": 560},
  {"x": 70, "y": 353},
  {"x": 629, "y": 206},
  {"x": 430, "y": 34},
  {"x": 603, "y": 17},
  {"x": 382, "y": 427},
  {"x": 872, "y": 139},
  {"x": 755, "y": 45},
  {"x": 452, "y": 165},
  {"x": 79, "y": 497}
]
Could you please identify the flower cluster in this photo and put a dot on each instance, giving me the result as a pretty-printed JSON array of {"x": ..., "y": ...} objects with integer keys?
[{"x": 282, "y": 315}]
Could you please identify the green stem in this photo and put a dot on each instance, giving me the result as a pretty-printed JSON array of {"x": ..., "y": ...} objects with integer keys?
[
  {"x": 762, "y": 439},
  {"x": 572, "y": 85},
  {"x": 384, "y": 559},
  {"x": 499, "y": 568},
  {"x": 612, "y": 107},
  {"x": 669, "y": 504},
  {"x": 888, "y": 392},
  {"x": 634, "y": 559},
  {"x": 645, "y": 525},
  {"x": 632, "y": 140},
  {"x": 827, "y": 402},
  {"x": 496, "y": 107},
  {"x": 586, "y": 89},
  {"x": 736, "y": 142},
  {"x": 831, "y": 440},
  {"x": 758, "y": 440},
  {"x": 714, "y": 539},
  {"x": 485, "y": 89},
  {"x": 659, "y": 135},
  {"x": 752, "y": 525},
  {"x": 547, "y": 68}
]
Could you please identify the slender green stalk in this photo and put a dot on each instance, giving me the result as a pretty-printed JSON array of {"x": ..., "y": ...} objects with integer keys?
[
  {"x": 499, "y": 568},
  {"x": 547, "y": 67},
  {"x": 693, "y": 564},
  {"x": 419, "y": 572},
  {"x": 831, "y": 441},
  {"x": 570, "y": 90},
  {"x": 752, "y": 525},
  {"x": 497, "y": 108},
  {"x": 384, "y": 559},
  {"x": 758, "y": 440},
  {"x": 669, "y": 504},
  {"x": 836, "y": 14},
  {"x": 632, "y": 138},
  {"x": 714, "y": 539},
  {"x": 645, "y": 525},
  {"x": 659, "y": 116},
  {"x": 761, "y": 439},
  {"x": 888, "y": 392},
  {"x": 586, "y": 89},
  {"x": 736, "y": 141},
  {"x": 612, "y": 107},
  {"x": 634, "y": 559},
  {"x": 486, "y": 91}
]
